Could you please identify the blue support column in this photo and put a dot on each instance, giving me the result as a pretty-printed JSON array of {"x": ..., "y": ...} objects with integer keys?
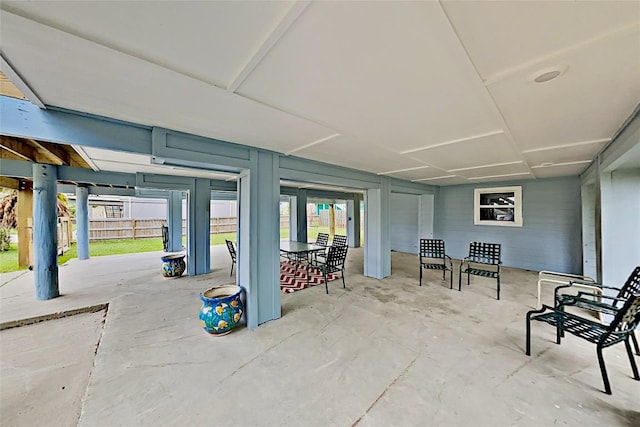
[
  {"x": 301, "y": 215},
  {"x": 174, "y": 220},
  {"x": 198, "y": 227},
  {"x": 377, "y": 239},
  {"x": 82, "y": 221},
  {"x": 293, "y": 218},
  {"x": 45, "y": 234},
  {"x": 353, "y": 221},
  {"x": 259, "y": 238}
]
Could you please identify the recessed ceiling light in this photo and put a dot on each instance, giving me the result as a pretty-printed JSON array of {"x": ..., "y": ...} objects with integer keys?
[{"x": 544, "y": 76}]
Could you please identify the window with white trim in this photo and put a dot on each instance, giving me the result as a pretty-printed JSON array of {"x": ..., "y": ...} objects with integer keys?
[{"x": 500, "y": 206}]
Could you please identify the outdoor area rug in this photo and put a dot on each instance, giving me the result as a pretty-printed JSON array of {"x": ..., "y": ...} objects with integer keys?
[{"x": 293, "y": 280}]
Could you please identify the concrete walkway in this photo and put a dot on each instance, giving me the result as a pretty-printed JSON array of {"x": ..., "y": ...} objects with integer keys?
[{"x": 382, "y": 352}]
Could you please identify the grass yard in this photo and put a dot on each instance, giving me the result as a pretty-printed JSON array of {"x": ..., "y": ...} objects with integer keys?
[{"x": 9, "y": 259}]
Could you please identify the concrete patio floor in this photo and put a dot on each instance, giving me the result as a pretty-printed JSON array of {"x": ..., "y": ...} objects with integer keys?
[{"x": 378, "y": 353}]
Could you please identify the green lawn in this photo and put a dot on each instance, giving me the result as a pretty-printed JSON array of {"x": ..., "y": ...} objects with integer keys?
[{"x": 9, "y": 259}]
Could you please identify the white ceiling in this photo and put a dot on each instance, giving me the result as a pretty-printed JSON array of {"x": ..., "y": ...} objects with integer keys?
[{"x": 435, "y": 92}]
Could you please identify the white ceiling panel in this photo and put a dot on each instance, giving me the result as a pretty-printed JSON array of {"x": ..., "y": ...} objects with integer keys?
[
  {"x": 507, "y": 169},
  {"x": 208, "y": 40},
  {"x": 490, "y": 150},
  {"x": 356, "y": 84},
  {"x": 596, "y": 94},
  {"x": 570, "y": 153},
  {"x": 392, "y": 73},
  {"x": 105, "y": 82},
  {"x": 357, "y": 154},
  {"x": 502, "y": 35},
  {"x": 560, "y": 170}
]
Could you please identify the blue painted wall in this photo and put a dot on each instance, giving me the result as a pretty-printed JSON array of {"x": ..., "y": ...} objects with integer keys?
[{"x": 550, "y": 238}]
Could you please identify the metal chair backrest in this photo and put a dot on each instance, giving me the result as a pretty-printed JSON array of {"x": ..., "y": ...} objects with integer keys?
[
  {"x": 339, "y": 240},
  {"x": 628, "y": 316},
  {"x": 485, "y": 253},
  {"x": 232, "y": 250},
  {"x": 631, "y": 286},
  {"x": 336, "y": 257},
  {"x": 431, "y": 248},
  {"x": 322, "y": 240}
]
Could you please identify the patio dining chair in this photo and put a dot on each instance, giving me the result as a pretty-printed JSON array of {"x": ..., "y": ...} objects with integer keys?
[
  {"x": 232, "y": 252},
  {"x": 334, "y": 262},
  {"x": 433, "y": 257}
]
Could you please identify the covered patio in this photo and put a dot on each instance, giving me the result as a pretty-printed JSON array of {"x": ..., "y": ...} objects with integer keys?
[{"x": 381, "y": 352}]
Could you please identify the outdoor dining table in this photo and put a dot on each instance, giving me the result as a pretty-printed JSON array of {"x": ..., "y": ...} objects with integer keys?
[{"x": 299, "y": 250}]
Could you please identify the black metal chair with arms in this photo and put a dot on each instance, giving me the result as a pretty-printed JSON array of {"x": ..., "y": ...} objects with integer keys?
[
  {"x": 433, "y": 257},
  {"x": 593, "y": 301},
  {"x": 620, "y": 330},
  {"x": 483, "y": 260}
]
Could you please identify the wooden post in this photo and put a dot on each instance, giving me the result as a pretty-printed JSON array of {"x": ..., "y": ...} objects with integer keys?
[
  {"x": 133, "y": 227},
  {"x": 332, "y": 220},
  {"x": 24, "y": 213}
]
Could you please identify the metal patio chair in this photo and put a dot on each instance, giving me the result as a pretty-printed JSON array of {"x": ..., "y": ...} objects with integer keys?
[
  {"x": 603, "y": 336},
  {"x": 483, "y": 260},
  {"x": 333, "y": 263},
  {"x": 433, "y": 257},
  {"x": 232, "y": 252}
]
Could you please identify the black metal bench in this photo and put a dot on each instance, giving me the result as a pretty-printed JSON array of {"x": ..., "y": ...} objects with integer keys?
[
  {"x": 483, "y": 260},
  {"x": 433, "y": 257},
  {"x": 620, "y": 330}
]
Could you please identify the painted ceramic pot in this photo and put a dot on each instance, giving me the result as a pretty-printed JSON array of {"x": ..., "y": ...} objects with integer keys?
[
  {"x": 173, "y": 265},
  {"x": 222, "y": 309}
]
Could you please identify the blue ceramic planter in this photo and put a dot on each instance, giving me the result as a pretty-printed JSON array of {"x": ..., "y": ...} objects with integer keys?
[
  {"x": 173, "y": 265},
  {"x": 222, "y": 309}
]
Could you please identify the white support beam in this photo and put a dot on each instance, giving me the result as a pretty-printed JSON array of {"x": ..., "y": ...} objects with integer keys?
[
  {"x": 289, "y": 18},
  {"x": 19, "y": 82}
]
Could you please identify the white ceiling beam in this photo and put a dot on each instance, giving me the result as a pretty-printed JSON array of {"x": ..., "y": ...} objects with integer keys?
[
  {"x": 517, "y": 162},
  {"x": 403, "y": 170},
  {"x": 499, "y": 176},
  {"x": 579, "y": 162},
  {"x": 311, "y": 144},
  {"x": 574, "y": 144},
  {"x": 289, "y": 18},
  {"x": 455, "y": 141},
  {"x": 436, "y": 177},
  {"x": 19, "y": 82}
]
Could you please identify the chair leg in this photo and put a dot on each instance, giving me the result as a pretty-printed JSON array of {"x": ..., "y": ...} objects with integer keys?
[
  {"x": 343, "y": 284},
  {"x": 420, "y": 274},
  {"x": 460, "y": 278},
  {"x": 528, "y": 336},
  {"x": 451, "y": 279},
  {"x": 603, "y": 371},
  {"x": 634, "y": 367},
  {"x": 326, "y": 282},
  {"x": 498, "y": 288},
  {"x": 232, "y": 264},
  {"x": 635, "y": 342}
]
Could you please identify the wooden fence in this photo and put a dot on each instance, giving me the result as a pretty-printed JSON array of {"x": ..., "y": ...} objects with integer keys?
[{"x": 119, "y": 228}]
